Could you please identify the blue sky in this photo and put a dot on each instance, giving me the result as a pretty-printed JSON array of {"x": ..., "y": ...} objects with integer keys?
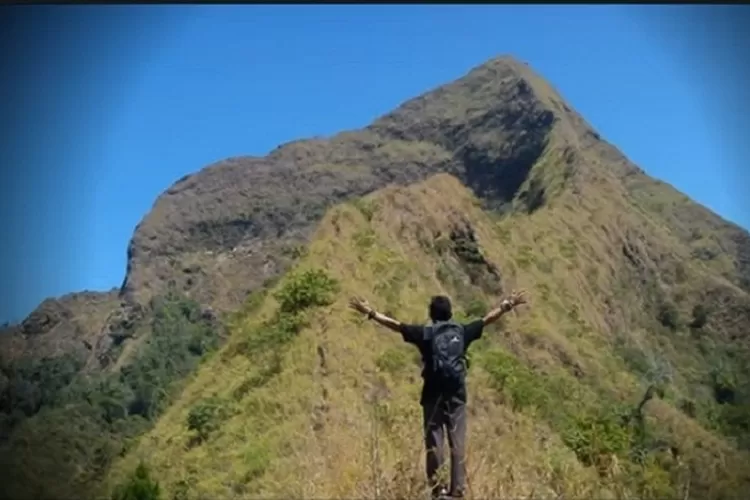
[{"x": 112, "y": 104}]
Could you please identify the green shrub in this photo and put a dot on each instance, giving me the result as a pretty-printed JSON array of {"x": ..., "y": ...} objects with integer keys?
[
  {"x": 688, "y": 407},
  {"x": 519, "y": 383},
  {"x": 393, "y": 360},
  {"x": 668, "y": 315},
  {"x": 636, "y": 360},
  {"x": 442, "y": 244},
  {"x": 140, "y": 486},
  {"x": 593, "y": 436},
  {"x": 177, "y": 343},
  {"x": 206, "y": 417},
  {"x": 700, "y": 316},
  {"x": 724, "y": 384},
  {"x": 366, "y": 208},
  {"x": 477, "y": 308},
  {"x": 306, "y": 289},
  {"x": 265, "y": 343},
  {"x": 34, "y": 384},
  {"x": 256, "y": 460},
  {"x": 272, "y": 334},
  {"x": 467, "y": 249}
]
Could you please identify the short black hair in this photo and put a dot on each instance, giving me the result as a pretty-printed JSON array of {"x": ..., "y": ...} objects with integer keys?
[{"x": 440, "y": 308}]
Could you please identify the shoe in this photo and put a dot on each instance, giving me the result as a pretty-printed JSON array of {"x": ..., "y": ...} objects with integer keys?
[{"x": 440, "y": 493}]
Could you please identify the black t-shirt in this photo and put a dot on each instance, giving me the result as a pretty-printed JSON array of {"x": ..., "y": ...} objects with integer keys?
[{"x": 414, "y": 334}]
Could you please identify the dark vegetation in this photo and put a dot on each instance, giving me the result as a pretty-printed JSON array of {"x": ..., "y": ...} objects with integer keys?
[
  {"x": 85, "y": 421},
  {"x": 140, "y": 486}
]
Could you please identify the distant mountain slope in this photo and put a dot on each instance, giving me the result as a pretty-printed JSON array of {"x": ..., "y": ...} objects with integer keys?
[
  {"x": 59, "y": 326},
  {"x": 485, "y": 183}
]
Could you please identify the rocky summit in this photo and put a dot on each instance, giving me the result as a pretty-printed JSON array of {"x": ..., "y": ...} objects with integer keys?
[{"x": 228, "y": 366}]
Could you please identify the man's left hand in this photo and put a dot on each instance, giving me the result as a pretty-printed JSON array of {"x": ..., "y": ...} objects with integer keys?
[{"x": 360, "y": 305}]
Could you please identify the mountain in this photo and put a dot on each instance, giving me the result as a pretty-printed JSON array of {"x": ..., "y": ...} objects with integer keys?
[{"x": 229, "y": 365}]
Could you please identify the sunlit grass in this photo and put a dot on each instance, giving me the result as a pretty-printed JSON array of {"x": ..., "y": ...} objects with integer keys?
[{"x": 331, "y": 412}]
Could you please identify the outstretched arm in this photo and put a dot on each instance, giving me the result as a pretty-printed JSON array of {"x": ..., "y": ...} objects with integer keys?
[
  {"x": 361, "y": 306},
  {"x": 515, "y": 299}
]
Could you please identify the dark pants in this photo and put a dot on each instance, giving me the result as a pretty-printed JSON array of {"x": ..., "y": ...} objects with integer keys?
[{"x": 440, "y": 414}]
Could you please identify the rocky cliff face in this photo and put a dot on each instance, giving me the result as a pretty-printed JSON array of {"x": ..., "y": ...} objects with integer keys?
[
  {"x": 71, "y": 324},
  {"x": 225, "y": 230},
  {"x": 221, "y": 232}
]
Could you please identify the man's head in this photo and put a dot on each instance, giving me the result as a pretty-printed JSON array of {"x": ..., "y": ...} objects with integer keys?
[{"x": 440, "y": 308}]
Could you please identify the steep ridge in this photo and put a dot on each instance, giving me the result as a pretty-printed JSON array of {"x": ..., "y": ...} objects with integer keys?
[
  {"x": 327, "y": 409},
  {"x": 634, "y": 284},
  {"x": 223, "y": 231},
  {"x": 231, "y": 222}
]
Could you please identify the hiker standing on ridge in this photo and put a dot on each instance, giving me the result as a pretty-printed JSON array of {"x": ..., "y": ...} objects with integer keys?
[{"x": 443, "y": 344}]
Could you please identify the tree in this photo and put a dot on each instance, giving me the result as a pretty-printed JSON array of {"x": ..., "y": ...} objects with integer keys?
[{"x": 139, "y": 486}]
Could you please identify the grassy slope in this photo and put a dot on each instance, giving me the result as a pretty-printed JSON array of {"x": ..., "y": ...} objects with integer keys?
[{"x": 332, "y": 412}]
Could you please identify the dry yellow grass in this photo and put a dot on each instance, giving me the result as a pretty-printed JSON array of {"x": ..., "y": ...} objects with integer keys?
[{"x": 341, "y": 420}]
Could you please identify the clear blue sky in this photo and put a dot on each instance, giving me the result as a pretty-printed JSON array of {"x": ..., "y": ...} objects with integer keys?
[{"x": 119, "y": 102}]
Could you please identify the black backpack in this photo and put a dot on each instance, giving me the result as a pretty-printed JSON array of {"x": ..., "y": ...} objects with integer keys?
[{"x": 447, "y": 366}]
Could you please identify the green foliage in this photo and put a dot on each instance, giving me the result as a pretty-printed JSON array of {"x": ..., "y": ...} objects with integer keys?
[
  {"x": 178, "y": 341},
  {"x": 688, "y": 407},
  {"x": 206, "y": 417},
  {"x": 265, "y": 343},
  {"x": 635, "y": 359},
  {"x": 668, "y": 315},
  {"x": 139, "y": 486},
  {"x": 256, "y": 459},
  {"x": 393, "y": 360},
  {"x": 442, "y": 244},
  {"x": 520, "y": 384},
  {"x": 593, "y": 427},
  {"x": 477, "y": 308},
  {"x": 306, "y": 289},
  {"x": 367, "y": 208},
  {"x": 251, "y": 305},
  {"x": 83, "y": 425},
  {"x": 734, "y": 421},
  {"x": 724, "y": 384},
  {"x": 467, "y": 249},
  {"x": 700, "y": 316},
  {"x": 34, "y": 384},
  {"x": 595, "y": 435},
  {"x": 253, "y": 301}
]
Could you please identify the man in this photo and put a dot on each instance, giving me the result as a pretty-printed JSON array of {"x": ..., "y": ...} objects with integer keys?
[{"x": 443, "y": 345}]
